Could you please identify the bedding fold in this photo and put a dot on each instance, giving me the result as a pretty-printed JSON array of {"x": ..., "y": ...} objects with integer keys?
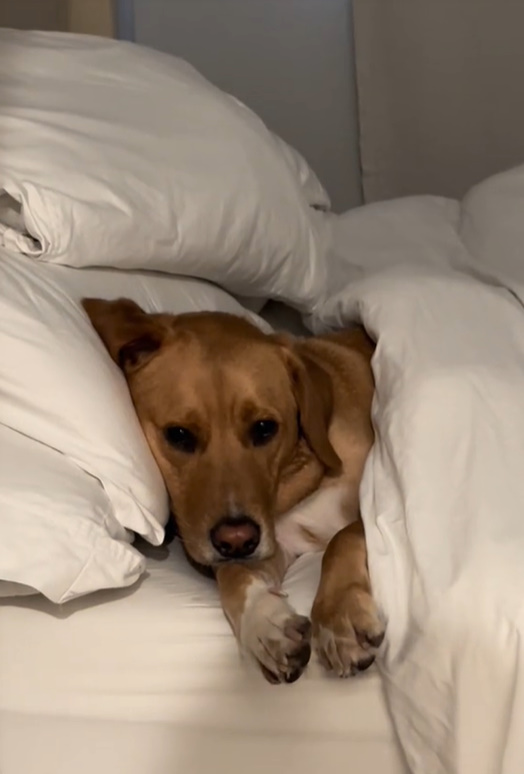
[{"x": 443, "y": 505}]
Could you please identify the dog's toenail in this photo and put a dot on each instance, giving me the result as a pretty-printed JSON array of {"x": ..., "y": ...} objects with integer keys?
[
  {"x": 365, "y": 663},
  {"x": 377, "y": 640},
  {"x": 293, "y": 677}
]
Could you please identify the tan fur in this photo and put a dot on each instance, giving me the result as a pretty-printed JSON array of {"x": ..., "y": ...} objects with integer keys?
[{"x": 216, "y": 375}]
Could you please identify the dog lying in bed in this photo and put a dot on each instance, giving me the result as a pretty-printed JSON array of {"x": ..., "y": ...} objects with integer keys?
[{"x": 262, "y": 441}]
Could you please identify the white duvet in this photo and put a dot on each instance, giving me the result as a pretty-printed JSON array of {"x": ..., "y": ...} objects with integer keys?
[
  {"x": 443, "y": 504},
  {"x": 443, "y": 492}
]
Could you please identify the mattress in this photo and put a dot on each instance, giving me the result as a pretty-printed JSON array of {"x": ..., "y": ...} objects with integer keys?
[{"x": 149, "y": 681}]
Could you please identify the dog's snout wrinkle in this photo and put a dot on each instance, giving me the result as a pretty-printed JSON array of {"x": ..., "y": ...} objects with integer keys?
[{"x": 235, "y": 537}]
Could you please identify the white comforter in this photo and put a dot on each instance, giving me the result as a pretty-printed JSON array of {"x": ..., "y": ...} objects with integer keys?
[
  {"x": 443, "y": 503},
  {"x": 443, "y": 492}
]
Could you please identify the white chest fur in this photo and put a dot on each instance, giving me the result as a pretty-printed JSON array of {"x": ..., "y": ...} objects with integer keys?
[{"x": 311, "y": 524}]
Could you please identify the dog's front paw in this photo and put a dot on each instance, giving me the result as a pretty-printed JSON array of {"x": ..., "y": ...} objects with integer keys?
[
  {"x": 277, "y": 637},
  {"x": 347, "y": 631}
]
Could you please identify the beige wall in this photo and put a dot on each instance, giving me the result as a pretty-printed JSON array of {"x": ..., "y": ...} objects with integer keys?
[
  {"x": 440, "y": 85},
  {"x": 94, "y": 17},
  {"x": 290, "y": 60}
]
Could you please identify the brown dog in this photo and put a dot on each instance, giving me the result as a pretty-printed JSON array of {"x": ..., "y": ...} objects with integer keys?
[{"x": 262, "y": 442}]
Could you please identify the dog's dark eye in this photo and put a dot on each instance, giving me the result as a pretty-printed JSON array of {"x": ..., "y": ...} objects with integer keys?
[
  {"x": 180, "y": 438},
  {"x": 263, "y": 431}
]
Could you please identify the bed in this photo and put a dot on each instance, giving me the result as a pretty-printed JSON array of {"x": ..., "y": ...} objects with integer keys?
[{"x": 114, "y": 653}]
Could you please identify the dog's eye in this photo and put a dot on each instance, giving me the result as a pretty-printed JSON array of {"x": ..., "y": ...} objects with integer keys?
[
  {"x": 263, "y": 431},
  {"x": 180, "y": 438}
]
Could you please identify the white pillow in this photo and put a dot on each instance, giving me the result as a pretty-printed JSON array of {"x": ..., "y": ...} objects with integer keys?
[
  {"x": 58, "y": 534},
  {"x": 123, "y": 156},
  {"x": 492, "y": 223},
  {"x": 65, "y": 411},
  {"x": 153, "y": 292},
  {"x": 315, "y": 193},
  {"x": 59, "y": 387}
]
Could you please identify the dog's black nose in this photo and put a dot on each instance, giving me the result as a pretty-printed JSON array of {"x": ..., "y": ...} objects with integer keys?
[{"x": 235, "y": 538}]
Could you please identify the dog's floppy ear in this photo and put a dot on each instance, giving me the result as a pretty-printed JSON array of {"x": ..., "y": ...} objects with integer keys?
[
  {"x": 314, "y": 397},
  {"x": 130, "y": 335}
]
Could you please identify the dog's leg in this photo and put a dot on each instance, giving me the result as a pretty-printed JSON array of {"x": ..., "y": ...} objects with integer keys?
[
  {"x": 265, "y": 625},
  {"x": 347, "y": 629}
]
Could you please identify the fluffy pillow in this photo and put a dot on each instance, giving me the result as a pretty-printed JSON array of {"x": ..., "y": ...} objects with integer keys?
[
  {"x": 59, "y": 534},
  {"x": 122, "y": 156},
  {"x": 77, "y": 475},
  {"x": 492, "y": 225},
  {"x": 315, "y": 193}
]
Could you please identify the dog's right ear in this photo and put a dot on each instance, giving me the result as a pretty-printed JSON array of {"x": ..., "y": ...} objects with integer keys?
[{"x": 130, "y": 335}]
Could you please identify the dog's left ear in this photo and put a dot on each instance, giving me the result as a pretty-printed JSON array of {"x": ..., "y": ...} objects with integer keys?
[
  {"x": 314, "y": 397},
  {"x": 131, "y": 335}
]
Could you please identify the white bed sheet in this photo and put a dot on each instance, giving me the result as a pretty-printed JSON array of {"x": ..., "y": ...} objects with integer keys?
[{"x": 149, "y": 681}]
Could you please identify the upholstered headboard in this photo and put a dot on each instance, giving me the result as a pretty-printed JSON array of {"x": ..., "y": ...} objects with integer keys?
[
  {"x": 95, "y": 17},
  {"x": 441, "y": 85}
]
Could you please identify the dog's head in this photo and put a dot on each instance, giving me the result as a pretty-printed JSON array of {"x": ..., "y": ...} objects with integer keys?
[{"x": 236, "y": 420}]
